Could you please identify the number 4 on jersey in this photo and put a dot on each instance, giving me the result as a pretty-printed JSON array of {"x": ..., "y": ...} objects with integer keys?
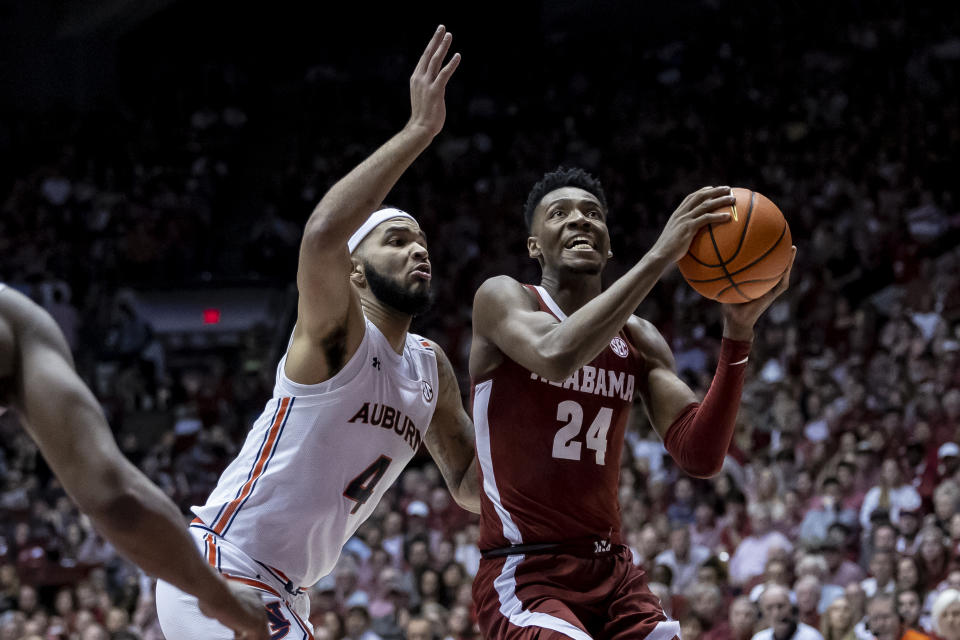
[
  {"x": 361, "y": 488},
  {"x": 279, "y": 625}
]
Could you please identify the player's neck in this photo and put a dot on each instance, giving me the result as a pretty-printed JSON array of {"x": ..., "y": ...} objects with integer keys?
[
  {"x": 573, "y": 290},
  {"x": 392, "y": 324}
]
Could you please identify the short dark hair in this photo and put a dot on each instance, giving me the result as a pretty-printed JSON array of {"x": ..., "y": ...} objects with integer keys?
[{"x": 557, "y": 179}]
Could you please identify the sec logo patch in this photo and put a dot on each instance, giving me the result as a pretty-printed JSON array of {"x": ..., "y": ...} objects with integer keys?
[
  {"x": 619, "y": 347},
  {"x": 427, "y": 390}
]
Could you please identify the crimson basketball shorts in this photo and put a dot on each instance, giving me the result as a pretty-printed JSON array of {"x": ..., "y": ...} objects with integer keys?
[{"x": 557, "y": 597}]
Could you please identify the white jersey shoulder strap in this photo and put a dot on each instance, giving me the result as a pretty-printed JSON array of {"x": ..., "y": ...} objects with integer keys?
[{"x": 284, "y": 386}]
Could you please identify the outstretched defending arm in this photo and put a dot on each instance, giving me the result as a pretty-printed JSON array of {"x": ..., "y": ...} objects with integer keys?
[
  {"x": 329, "y": 312},
  {"x": 504, "y": 314},
  {"x": 65, "y": 420},
  {"x": 450, "y": 438},
  {"x": 698, "y": 434}
]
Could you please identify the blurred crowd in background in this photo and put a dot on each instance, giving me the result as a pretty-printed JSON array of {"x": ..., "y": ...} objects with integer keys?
[{"x": 843, "y": 484}]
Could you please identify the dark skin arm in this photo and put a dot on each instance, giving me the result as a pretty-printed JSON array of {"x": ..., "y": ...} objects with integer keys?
[
  {"x": 663, "y": 393},
  {"x": 65, "y": 420},
  {"x": 330, "y": 323},
  {"x": 450, "y": 439}
]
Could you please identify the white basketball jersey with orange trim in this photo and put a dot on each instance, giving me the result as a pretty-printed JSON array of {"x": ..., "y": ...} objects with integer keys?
[{"x": 320, "y": 457}]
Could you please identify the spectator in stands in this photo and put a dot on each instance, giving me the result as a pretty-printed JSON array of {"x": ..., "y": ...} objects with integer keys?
[
  {"x": 892, "y": 495},
  {"x": 908, "y": 608},
  {"x": 825, "y": 509},
  {"x": 681, "y": 509},
  {"x": 933, "y": 557},
  {"x": 857, "y": 600},
  {"x": 945, "y": 499},
  {"x": 838, "y": 621},
  {"x": 883, "y": 537},
  {"x": 780, "y": 617},
  {"x": 740, "y": 624},
  {"x": 356, "y": 623},
  {"x": 882, "y": 579},
  {"x": 882, "y": 619},
  {"x": 419, "y": 629},
  {"x": 751, "y": 555},
  {"x": 946, "y": 615},
  {"x": 705, "y": 531},
  {"x": 807, "y": 591},
  {"x": 776, "y": 571},
  {"x": 847, "y": 475},
  {"x": 910, "y": 575},
  {"x": 841, "y": 571},
  {"x": 431, "y": 587},
  {"x": 683, "y": 558},
  {"x": 691, "y": 627},
  {"x": 706, "y": 604},
  {"x": 908, "y": 527}
]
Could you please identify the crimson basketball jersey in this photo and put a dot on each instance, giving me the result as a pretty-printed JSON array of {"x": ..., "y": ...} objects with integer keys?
[{"x": 549, "y": 452}]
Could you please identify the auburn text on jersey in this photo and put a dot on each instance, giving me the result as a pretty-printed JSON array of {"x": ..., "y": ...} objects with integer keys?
[{"x": 390, "y": 418}]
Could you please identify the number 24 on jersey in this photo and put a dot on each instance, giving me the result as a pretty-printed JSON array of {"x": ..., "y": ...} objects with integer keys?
[{"x": 564, "y": 446}]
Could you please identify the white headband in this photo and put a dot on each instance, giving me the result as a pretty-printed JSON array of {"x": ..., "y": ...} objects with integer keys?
[{"x": 375, "y": 219}]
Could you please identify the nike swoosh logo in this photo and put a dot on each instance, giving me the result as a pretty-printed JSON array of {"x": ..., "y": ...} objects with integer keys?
[{"x": 744, "y": 361}]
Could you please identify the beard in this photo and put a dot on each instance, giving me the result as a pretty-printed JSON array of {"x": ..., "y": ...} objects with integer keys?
[{"x": 393, "y": 294}]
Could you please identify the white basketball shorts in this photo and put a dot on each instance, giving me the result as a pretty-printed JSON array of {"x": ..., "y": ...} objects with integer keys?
[{"x": 179, "y": 613}]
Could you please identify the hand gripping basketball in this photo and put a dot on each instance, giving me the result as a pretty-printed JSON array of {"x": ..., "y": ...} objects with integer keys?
[
  {"x": 697, "y": 209},
  {"x": 739, "y": 318}
]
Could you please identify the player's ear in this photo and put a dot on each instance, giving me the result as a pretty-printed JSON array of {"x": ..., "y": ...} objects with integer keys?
[
  {"x": 533, "y": 248},
  {"x": 357, "y": 275}
]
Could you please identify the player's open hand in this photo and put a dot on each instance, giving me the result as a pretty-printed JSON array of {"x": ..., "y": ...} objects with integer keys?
[
  {"x": 428, "y": 84},
  {"x": 740, "y": 318},
  {"x": 243, "y": 612},
  {"x": 697, "y": 209}
]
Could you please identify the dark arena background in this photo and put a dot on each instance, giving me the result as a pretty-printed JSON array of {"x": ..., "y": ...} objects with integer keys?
[{"x": 158, "y": 160}]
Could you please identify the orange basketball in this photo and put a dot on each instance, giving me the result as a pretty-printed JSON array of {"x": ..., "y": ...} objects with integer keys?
[{"x": 739, "y": 260}]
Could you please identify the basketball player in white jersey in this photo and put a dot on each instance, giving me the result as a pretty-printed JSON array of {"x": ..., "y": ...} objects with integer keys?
[
  {"x": 355, "y": 394},
  {"x": 60, "y": 413}
]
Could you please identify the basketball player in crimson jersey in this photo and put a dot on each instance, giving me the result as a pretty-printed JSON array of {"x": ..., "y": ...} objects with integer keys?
[
  {"x": 555, "y": 369},
  {"x": 61, "y": 414},
  {"x": 355, "y": 394}
]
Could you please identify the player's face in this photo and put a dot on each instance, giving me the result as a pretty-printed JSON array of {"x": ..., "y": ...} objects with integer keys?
[
  {"x": 570, "y": 231},
  {"x": 397, "y": 265}
]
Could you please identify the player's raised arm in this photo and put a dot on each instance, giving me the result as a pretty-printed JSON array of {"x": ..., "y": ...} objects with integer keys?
[
  {"x": 65, "y": 420},
  {"x": 450, "y": 438},
  {"x": 506, "y": 316},
  {"x": 328, "y": 307},
  {"x": 698, "y": 435}
]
